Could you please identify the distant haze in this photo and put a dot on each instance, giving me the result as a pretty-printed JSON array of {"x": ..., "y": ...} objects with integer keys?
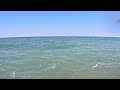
[{"x": 59, "y": 23}]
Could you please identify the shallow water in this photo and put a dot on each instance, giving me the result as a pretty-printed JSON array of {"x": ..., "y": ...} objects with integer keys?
[{"x": 60, "y": 57}]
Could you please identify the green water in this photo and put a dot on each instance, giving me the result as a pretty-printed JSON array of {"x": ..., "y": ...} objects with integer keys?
[{"x": 60, "y": 58}]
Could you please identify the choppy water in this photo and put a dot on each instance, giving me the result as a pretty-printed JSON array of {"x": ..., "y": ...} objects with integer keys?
[{"x": 60, "y": 57}]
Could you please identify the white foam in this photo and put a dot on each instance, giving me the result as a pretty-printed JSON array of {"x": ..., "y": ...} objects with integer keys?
[
  {"x": 53, "y": 67},
  {"x": 13, "y": 75}
]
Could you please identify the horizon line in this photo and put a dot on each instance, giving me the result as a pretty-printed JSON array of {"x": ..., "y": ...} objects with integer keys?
[{"x": 56, "y": 36}]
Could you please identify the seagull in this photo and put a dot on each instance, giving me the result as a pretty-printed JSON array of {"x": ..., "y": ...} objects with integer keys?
[{"x": 95, "y": 66}]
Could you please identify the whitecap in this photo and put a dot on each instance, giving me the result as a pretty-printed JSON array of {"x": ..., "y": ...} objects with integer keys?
[
  {"x": 53, "y": 67},
  {"x": 13, "y": 74}
]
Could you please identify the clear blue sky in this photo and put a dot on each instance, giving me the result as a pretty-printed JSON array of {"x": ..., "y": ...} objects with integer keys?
[{"x": 59, "y": 23}]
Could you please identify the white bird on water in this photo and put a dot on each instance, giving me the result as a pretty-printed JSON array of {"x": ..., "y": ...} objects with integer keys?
[{"x": 95, "y": 66}]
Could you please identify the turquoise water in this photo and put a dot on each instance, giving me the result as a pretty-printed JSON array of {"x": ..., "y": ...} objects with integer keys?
[{"x": 60, "y": 58}]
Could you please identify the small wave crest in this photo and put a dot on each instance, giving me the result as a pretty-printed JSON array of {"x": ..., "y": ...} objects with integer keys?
[{"x": 52, "y": 67}]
